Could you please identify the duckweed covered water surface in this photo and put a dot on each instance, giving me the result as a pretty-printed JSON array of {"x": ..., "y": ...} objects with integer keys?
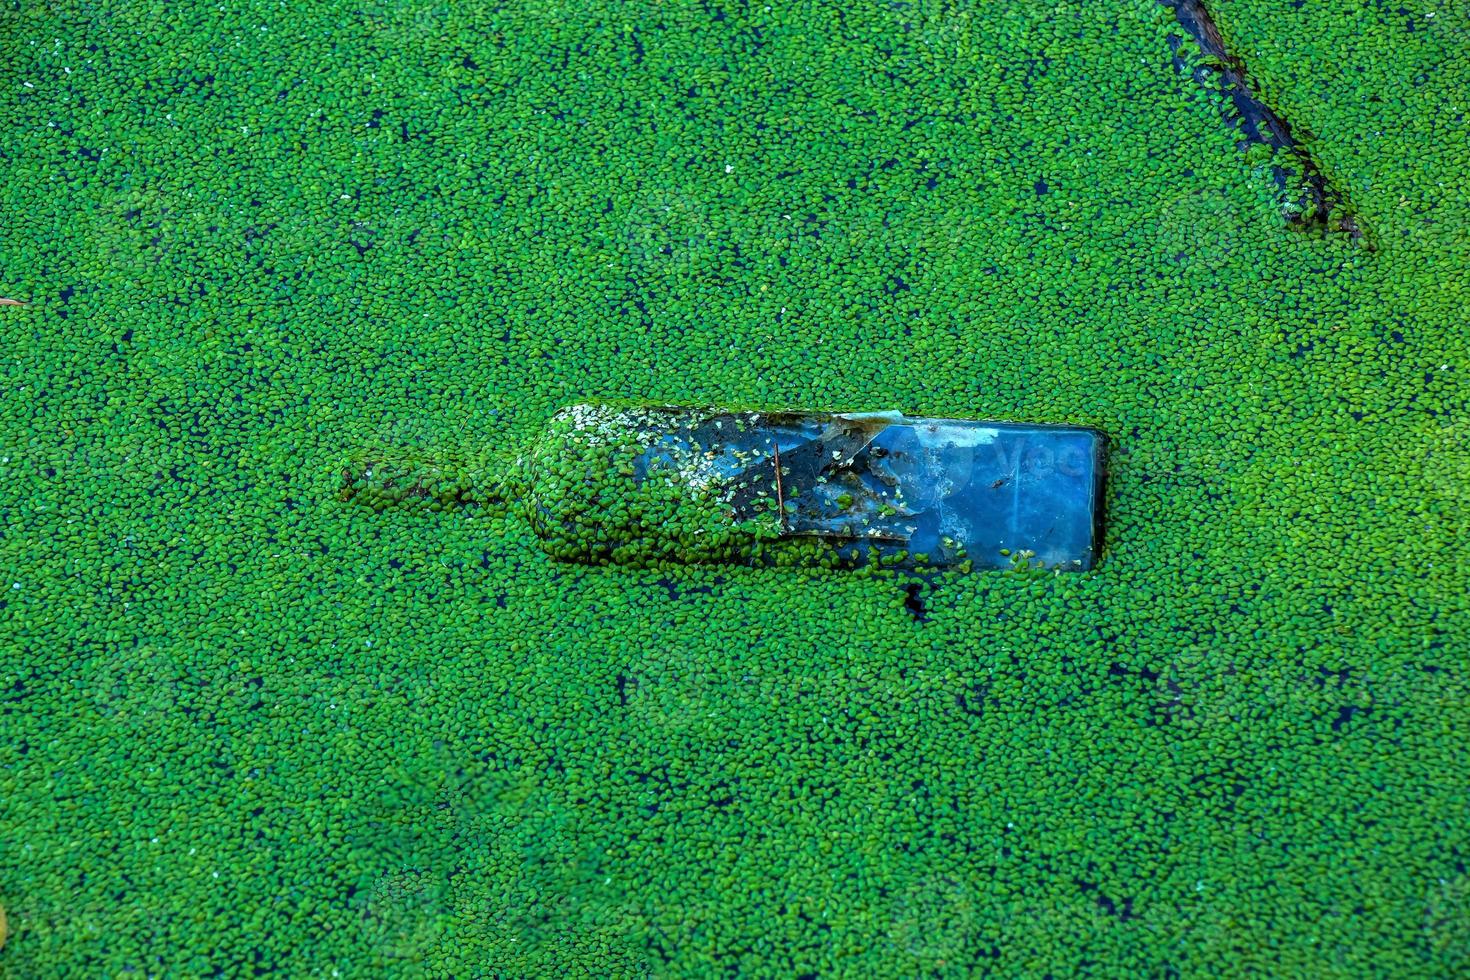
[{"x": 250, "y": 726}]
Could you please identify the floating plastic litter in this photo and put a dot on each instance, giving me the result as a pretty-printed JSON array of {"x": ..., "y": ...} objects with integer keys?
[{"x": 634, "y": 485}]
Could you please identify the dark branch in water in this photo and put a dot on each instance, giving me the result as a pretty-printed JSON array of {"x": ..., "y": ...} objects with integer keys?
[{"x": 1307, "y": 199}]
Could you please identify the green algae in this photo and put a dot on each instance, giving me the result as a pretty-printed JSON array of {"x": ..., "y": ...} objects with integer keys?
[{"x": 248, "y": 726}]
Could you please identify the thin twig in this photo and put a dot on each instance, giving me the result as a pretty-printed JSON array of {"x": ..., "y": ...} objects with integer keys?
[
  {"x": 780, "y": 498},
  {"x": 11, "y": 302},
  {"x": 1308, "y": 197}
]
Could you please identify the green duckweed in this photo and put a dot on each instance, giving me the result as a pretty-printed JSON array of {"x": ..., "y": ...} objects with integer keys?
[{"x": 250, "y": 727}]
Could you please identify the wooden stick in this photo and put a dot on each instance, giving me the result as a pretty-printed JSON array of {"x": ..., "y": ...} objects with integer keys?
[
  {"x": 1310, "y": 198},
  {"x": 780, "y": 498}
]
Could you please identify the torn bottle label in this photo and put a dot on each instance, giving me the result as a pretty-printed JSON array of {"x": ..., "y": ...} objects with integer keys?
[{"x": 637, "y": 485}]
